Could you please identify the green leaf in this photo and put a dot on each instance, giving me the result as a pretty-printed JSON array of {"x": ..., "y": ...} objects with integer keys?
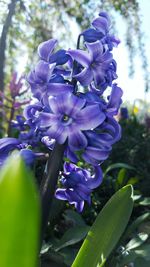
[
  {"x": 133, "y": 180},
  {"x": 121, "y": 176},
  {"x": 74, "y": 217},
  {"x": 20, "y": 218},
  {"x": 107, "y": 230},
  {"x": 72, "y": 236},
  {"x": 121, "y": 179},
  {"x": 137, "y": 241},
  {"x": 69, "y": 254},
  {"x": 145, "y": 201},
  {"x": 141, "y": 252},
  {"x": 135, "y": 224},
  {"x": 118, "y": 165}
]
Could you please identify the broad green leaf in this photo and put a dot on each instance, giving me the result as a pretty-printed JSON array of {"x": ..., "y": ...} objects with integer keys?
[
  {"x": 19, "y": 215},
  {"x": 107, "y": 230},
  {"x": 72, "y": 236}
]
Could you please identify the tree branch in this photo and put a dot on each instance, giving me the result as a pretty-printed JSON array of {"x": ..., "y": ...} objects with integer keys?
[{"x": 3, "y": 41}]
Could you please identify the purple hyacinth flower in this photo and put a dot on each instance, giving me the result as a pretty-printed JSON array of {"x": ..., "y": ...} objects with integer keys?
[
  {"x": 96, "y": 63},
  {"x": 45, "y": 51},
  {"x": 45, "y": 82},
  {"x": 68, "y": 118},
  {"x": 102, "y": 23},
  {"x": 78, "y": 184},
  {"x": 100, "y": 31}
]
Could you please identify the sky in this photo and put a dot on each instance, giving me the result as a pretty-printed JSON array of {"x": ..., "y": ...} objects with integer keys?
[{"x": 133, "y": 87}]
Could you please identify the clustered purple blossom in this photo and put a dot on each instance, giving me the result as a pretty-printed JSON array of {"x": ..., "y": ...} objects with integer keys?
[{"x": 69, "y": 107}]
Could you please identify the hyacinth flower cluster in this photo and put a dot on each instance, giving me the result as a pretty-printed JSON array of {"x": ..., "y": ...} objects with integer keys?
[{"x": 69, "y": 107}]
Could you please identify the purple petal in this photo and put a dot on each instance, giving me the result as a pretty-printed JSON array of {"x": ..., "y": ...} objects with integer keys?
[
  {"x": 99, "y": 140},
  {"x": 90, "y": 117},
  {"x": 85, "y": 77},
  {"x": 106, "y": 58},
  {"x": 97, "y": 179},
  {"x": 114, "y": 128},
  {"x": 56, "y": 89},
  {"x": 99, "y": 75},
  {"x": 95, "y": 49},
  {"x": 105, "y": 15},
  {"x": 60, "y": 57},
  {"x": 72, "y": 196},
  {"x": 47, "y": 119},
  {"x": 114, "y": 99},
  {"x": 91, "y": 35},
  {"x": 61, "y": 71},
  {"x": 96, "y": 153},
  {"x": 76, "y": 139},
  {"x": 83, "y": 191},
  {"x": 61, "y": 194},
  {"x": 76, "y": 103},
  {"x": 31, "y": 77},
  {"x": 87, "y": 158},
  {"x": 79, "y": 206},
  {"x": 8, "y": 141},
  {"x": 60, "y": 104},
  {"x": 71, "y": 155},
  {"x": 43, "y": 70},
  {"x": 80, "y": 56},
  {"x": 56, "y": 131},
  {"x": 45, "y": 49},
  {"x": 66, "y": 104},
  {"x": 69, "y": 167},
  {"x": 101, "y": 24}
]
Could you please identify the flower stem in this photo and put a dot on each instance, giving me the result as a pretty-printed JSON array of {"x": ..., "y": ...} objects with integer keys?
[
  {"x": 75, "y": 65},
  {"x": 49, "y": 183}
]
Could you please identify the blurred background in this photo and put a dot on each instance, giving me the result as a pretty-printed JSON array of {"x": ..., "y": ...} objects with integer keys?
[{"x": 23, "y": 25}]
